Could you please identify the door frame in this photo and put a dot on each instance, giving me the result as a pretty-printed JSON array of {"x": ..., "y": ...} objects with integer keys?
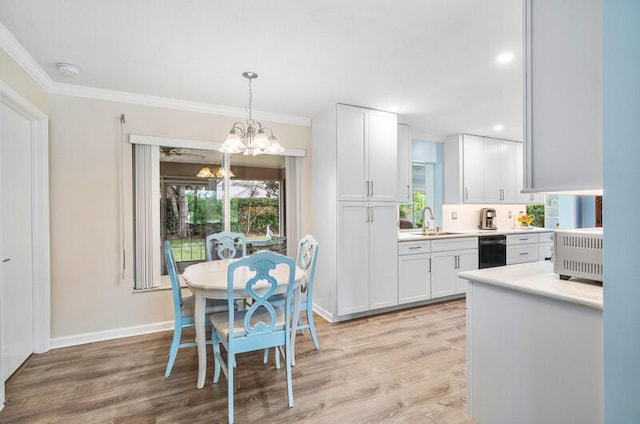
[{"x": 39, "y": 221}]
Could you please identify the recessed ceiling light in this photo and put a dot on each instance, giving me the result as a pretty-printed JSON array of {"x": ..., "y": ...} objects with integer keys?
[
  {"x": 505, "y": 57},
  {"x": 498, "y": 127},
  {"x": 68, "y": 69}
]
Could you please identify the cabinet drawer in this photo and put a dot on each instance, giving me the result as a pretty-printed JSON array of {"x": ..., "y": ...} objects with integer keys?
[
  {"x": 444, "y": 245},
  {"x": 514, "y": 239},
  {"x": 545, "y": 237},
  {"x": 522, "y": 253},
  {"x": 545, "y": 250},
  {"x": 413, "y": 247}
]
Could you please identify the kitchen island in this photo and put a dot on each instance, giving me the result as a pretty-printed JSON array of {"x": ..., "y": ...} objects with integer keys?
[{"x": 534, "y": 346}]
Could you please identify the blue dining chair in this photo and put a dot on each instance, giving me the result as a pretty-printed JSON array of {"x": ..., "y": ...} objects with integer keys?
[
  {"x": 225, "y": 245},
  {"x": 183, "y": 309},
  {"x": 306, "y": 260},
  {"x": 258, "y": 327}
]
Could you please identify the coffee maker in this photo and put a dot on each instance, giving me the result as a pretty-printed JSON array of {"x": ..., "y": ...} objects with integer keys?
[{"x": 487, "y": 216}]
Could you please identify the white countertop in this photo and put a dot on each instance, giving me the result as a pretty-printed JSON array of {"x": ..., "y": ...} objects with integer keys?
[
  {"x": 416, "y": 235},
  {"x": 538, "y": 278}
]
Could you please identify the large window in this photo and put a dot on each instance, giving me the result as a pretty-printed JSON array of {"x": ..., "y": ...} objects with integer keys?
[{"x": 176, "y": 200}]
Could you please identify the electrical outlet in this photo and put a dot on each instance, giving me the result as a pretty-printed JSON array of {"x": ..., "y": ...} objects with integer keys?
[
  {"x": 454, "y": 215},
  {"x": 510, "y": 214}
]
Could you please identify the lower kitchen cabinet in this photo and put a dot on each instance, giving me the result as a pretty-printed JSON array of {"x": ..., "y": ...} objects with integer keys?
[
  {"x": 445, "y": 267},
  {"x": 414, "y": 272},
  {"x": 429, "y": 269},
  {"x": 367, "y": 257}
]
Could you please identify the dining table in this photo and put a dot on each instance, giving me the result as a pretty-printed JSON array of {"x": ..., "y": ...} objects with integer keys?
[{"x": 208, "y": 280}]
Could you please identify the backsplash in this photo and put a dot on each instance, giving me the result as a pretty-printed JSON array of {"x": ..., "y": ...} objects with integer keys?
[{"x": 468, "y": 216}]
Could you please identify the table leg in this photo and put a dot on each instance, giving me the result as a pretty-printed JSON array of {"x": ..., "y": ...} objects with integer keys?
[
  {"x": 201, "y": 337},
  {"x": 294, "y": 324}
]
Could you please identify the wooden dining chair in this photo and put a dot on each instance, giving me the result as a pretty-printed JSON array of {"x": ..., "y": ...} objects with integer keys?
[
  {"x": 258, "y": 327},
  {"x": 306, "y": 260},
  {"x": 225, "y": 245},
  {"x": 183, "y": 309}
]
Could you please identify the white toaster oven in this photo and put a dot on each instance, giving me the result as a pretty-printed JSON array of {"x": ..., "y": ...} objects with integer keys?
[{"x": 578, "y": 253}]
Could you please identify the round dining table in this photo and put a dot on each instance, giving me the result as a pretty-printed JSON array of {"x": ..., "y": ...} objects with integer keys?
[{"x": 208, "y": 280}]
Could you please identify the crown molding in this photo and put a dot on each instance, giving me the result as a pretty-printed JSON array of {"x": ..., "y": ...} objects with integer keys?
[{"x": 18, "y": 53}]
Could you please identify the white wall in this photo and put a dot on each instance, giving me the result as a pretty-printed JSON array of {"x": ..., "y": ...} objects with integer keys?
[{"x": 88, "y": 295}]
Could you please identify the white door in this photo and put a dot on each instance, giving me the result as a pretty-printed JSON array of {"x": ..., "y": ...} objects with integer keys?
[
  {"x": 443, "y": 274},
  {"x": 473, "y": 169},
  {"x": 352, "y": 161},
  {"x": 383, "y": 255},
  {"x": 17, "y": 253},
  {"x": 467, "y": 261},
  {"x": 353, "y": 257},
  {"x": 383, "y": 156},
  {"x": 414, "y": 278},
  {"x": 507, "y": 170}
]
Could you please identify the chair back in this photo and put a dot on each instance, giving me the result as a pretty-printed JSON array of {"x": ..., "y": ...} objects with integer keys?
[
  {"x": 172, "y": 269},
  {"x": 260, "y": 285},
  {"x": 306, "y": 260},
  {"x": 225, "y": 245}
]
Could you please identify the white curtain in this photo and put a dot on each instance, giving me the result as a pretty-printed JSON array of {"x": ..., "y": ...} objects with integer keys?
[
  {"x": 293, "y": 193},
  {"x": 147, "y": 216}
]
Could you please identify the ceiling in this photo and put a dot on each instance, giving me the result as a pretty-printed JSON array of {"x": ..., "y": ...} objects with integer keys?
[{"x": 433, "y": 60}]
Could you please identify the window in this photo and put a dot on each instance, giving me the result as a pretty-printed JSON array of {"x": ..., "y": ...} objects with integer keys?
[
  {"x": 173, "y": 203},
  {"x": 423, "y": 193}
]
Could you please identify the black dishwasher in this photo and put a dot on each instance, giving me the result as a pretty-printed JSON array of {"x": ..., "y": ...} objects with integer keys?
[{"x": 492, "y": 251}]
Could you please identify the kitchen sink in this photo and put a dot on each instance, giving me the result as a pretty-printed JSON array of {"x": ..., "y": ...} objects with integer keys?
[{"x": 429, "y": 234}]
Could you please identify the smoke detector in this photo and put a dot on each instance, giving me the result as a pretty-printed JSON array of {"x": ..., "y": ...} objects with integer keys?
[{"x": 68, "y": 69}]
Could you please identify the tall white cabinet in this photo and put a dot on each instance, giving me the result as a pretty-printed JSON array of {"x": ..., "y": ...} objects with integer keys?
[{"x": 355, "y": 218}]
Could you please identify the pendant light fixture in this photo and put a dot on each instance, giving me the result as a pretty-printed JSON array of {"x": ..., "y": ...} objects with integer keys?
[{"x": 250, "y": 139}]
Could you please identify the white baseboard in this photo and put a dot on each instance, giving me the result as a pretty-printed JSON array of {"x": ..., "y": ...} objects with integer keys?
[{"x": 116, "y": 333}]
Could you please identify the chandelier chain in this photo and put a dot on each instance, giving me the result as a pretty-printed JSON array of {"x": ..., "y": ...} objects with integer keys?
[{"x": 250, "y": 120}]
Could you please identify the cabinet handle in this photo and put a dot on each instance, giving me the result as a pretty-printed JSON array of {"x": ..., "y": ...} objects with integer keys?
[
  {"x": 501, "y": 194},
  {"x": 371, "y": 188},
  {"x": 524, "y": 253},
  {"x": 367, "y": 184},
  {"x": 466, "y": 193},
  {"x": 371, "y": 211},
  {"x": 429, "y": 264},
  {"x": 366, "y": 213},
  {"x": 408, "y": 192},
  {"x": 6, "y": 260},
  {"x": 456, "y": 262},
  {"x": 415, "y": 247}
]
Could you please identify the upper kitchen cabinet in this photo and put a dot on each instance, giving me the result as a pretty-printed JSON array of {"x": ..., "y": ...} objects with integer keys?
[
  {"x": 463, "y": 169},
  {"x": 479, "y": 170},
  {"x": 563, "y": 102},
  {"x": 499, "y": 170},
  {"x": 367, "y": 152},
  {"x": 404, "y": 164}
]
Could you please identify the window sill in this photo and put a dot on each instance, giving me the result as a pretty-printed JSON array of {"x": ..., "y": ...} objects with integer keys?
[{"x": 165, "y": 284}]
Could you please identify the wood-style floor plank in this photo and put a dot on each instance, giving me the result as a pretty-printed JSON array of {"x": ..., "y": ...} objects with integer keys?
[{"x": 400, "y": 367}]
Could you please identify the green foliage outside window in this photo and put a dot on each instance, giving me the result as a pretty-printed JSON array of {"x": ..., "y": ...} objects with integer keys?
[{"x": 537, "y": 213}]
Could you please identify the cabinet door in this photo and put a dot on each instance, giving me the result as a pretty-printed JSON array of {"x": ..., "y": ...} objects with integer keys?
[
  {"x": 383, "y": 255},
  {"x": 352, "y": 133},
  {"x": 414, "y": 278},
  {"x": 507, "y": 170},
  {"x": 467, "y": 261},
  {"x": 383, "y": 156},
  {"x": 473, "y": 169},
  {"x": 353, "y": 257},
  {"x": 404, "y": 164},
  {"x": 442, "y": 274},
  {"x": 500, "y": 171}
]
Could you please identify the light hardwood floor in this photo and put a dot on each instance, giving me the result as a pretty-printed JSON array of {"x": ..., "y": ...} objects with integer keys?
[{"x": 401, "y": 367}]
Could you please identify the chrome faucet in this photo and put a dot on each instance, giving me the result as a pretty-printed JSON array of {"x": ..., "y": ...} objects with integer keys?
[{"x": 425, "y": 222}]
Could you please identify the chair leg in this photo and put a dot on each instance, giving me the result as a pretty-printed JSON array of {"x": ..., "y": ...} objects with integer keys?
[
  {"x": 173, "y": 350},
  {"x": 230, "y": 392},
  {"x": 266, "y": 356},
  {"x": 216, "y": 353},
  {"x": 277, "y": 355},
  {"x": 312, "y": 328},
  {"x": 288, "y": 365}
]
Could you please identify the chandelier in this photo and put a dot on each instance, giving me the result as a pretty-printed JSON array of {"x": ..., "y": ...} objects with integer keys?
[
  {"x": 252, "y": 139},
  {"x": 205, "y": 172}
]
